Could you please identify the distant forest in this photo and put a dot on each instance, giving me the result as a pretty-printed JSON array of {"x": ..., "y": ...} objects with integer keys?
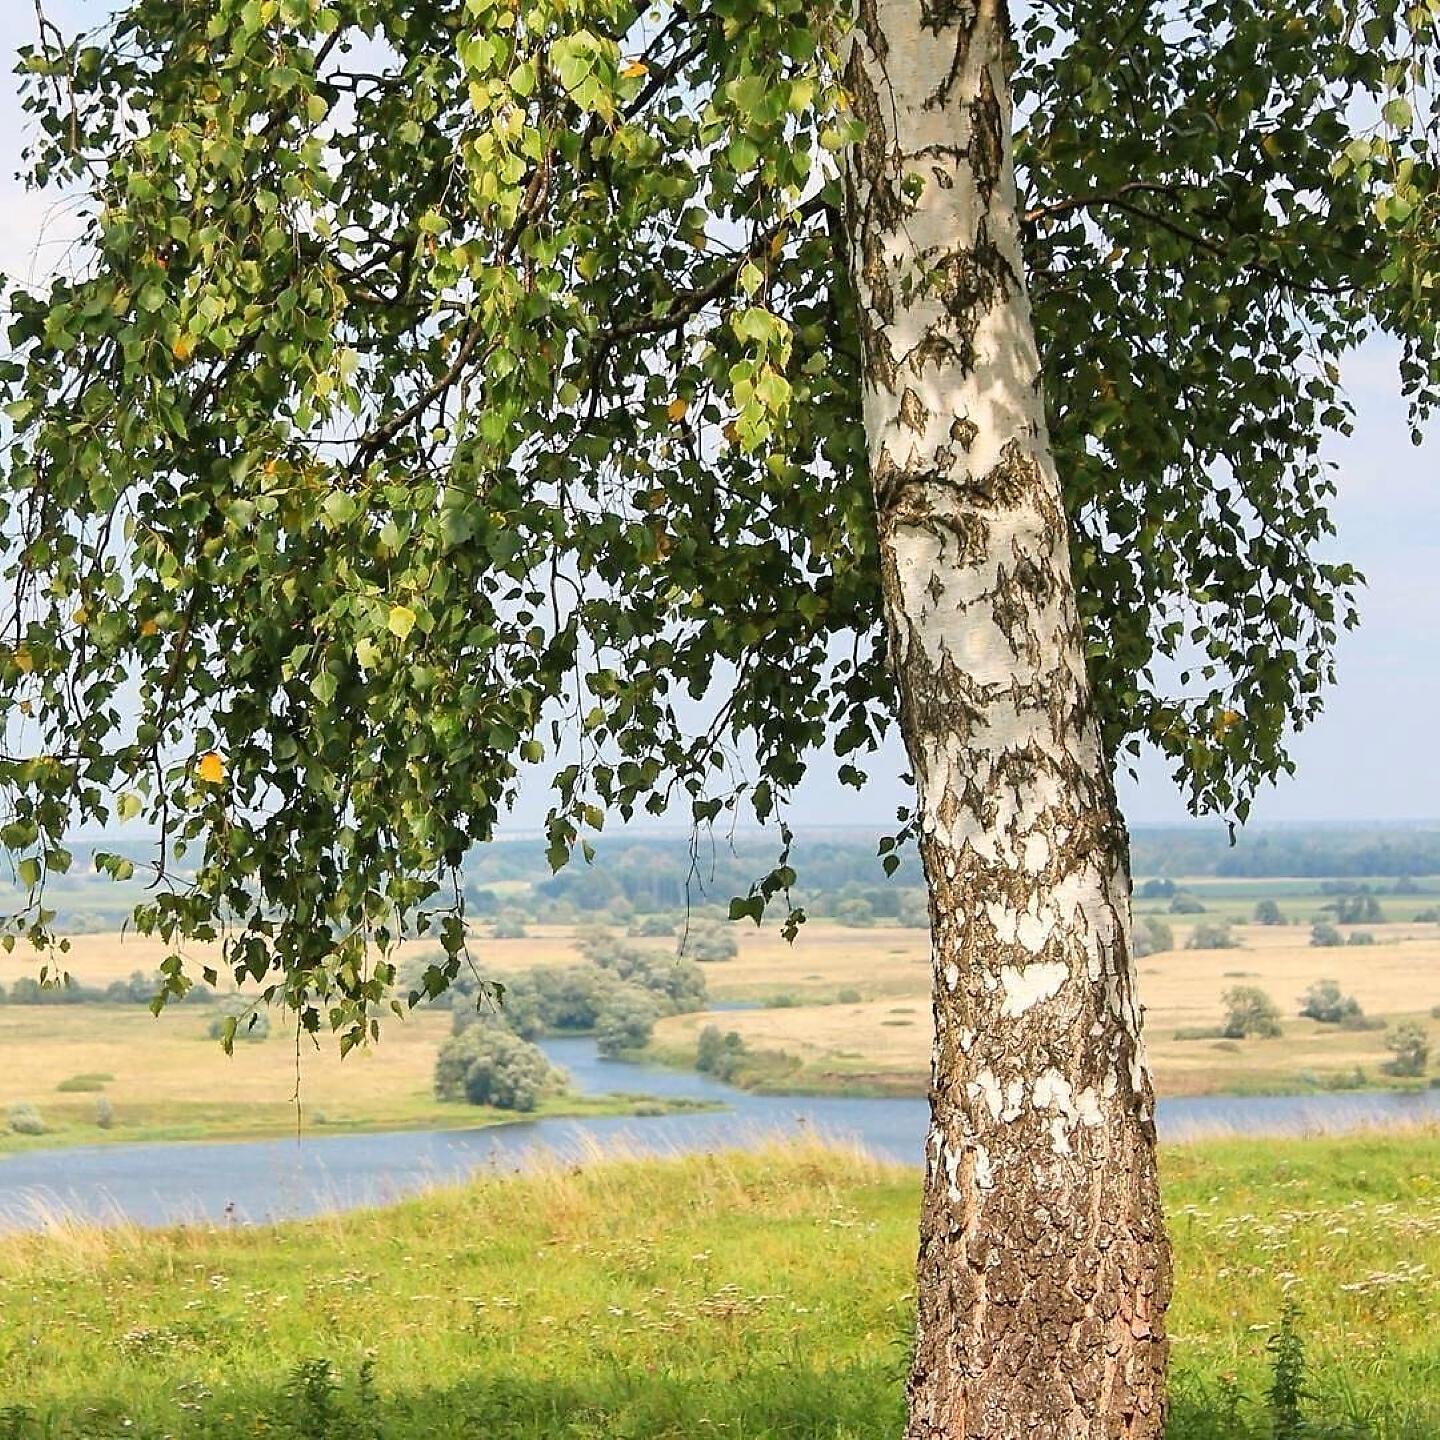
[{"x": 839, "y": 873}]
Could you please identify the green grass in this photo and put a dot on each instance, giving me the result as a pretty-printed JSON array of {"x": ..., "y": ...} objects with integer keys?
[{"x": 738, "y": 1296}]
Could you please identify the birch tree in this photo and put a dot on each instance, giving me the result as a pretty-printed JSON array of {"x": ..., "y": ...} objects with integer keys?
[{"x": 456, "y": 392}]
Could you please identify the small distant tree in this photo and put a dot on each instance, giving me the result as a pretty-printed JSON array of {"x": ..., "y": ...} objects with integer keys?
[
  {"x": 914, "y": 909},
  {"x": 1250, "y": 1011},
  {"x": 719, "y": 1053},
  {"x": 1324, "y": 1002},
  {"x": 1360, "y": 937},
  {"x": 1268, "y": 912},
  {"x": 709, "y": 942},
  {"x": 509, "y": 925},
  {"x": 1152, "y": 936},
  {"x": 239, "y": 1019},
  {"x": 656, "y": 926},
  {"x": 1211, "y": 937},
  {"x": 1410, "y": 1045},
  {"x": 627, "y": 1021},
  {"x": 104, "y": 1112},
  {"x": 489, "y": 1065},
  {"x": 1157, "y": 890},
  {"x": 856, "y": 913},
  {"x": 1430, "y": 916},
  {"x": 1358, "y": 909},
  {"x": 1184, "y": 904},
  {"x": 24, "y": 1119},
  {"x": 1325, "y": 935}
]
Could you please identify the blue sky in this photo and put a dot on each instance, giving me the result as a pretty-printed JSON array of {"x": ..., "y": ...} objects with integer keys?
[{"x": 1375, "y": 753}]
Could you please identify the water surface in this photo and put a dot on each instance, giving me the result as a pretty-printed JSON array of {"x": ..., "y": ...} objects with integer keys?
[{"x": 258, "y": 1180}]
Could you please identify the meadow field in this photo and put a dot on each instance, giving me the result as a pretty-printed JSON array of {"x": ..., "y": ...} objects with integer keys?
[
  {"x": 880, "y": 1041},
  {"x": 844, "y": 1009},
  {"x": 761, "y": 1295},
  {"x": 166, "y": 1079}
]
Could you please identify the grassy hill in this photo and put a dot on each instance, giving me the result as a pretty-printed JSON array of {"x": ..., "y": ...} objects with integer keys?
[{"x": 737, "y": 1296}]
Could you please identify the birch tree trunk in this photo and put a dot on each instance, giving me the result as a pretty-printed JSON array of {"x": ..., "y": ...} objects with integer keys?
[{"x": 1044, "y": 1271}]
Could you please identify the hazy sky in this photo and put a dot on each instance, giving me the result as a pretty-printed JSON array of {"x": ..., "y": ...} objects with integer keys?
[{"x": 1375, "y": 753}]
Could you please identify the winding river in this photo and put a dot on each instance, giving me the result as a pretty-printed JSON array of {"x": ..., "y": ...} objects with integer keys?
[{"x": 261, "y": 1180}]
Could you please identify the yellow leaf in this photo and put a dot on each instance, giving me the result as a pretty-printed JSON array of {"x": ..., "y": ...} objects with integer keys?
[
  {"x": 211, "y": 768},
  {"x": 635, "y": 70},
  {"x": 24, "y": 662},
  {"x": 401, "y": 621},
  {"x": 149, "y": 627},
  {"x": 677, "y": 410},
  {"x": 184, "y": 347},
  {"x": 81, "y": 615}
]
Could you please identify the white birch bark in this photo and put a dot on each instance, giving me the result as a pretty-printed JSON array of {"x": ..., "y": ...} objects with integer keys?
[{"x": 1043, "y": 1272}]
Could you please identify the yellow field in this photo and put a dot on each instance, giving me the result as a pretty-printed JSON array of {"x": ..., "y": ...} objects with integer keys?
[
  {"x": 168, "y": 1073},
  {"x": 884, "y": 1041},
  {"x": 169, "y": 1079}
]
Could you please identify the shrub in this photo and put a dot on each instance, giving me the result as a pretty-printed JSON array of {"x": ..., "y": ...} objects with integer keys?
[
  {"x": 1267, "y": 912},
  {"x": 849, "y": 996},
  {"x": 1356, "y": 910},
  {"x": 719, "y": 1054},
  {"x": 783, "y": 1001},
  {"x": 251, "y": 1024},
  {"x": 658, "y": 926},
  {"x": 1250, "y": 1011},
  {"x": 104, "y": 1112},
  {"x": 1429, "y": 917},
  {"x": 24, "y": 1119},
  {"x": 508, "y": 926},
  {"x": 1410, "y": 1046},
  {"x": 1361, "y": 937},
  {"x": 855, "y": 913},
  {"x": 1324, "y": 1002},
  {"x": 1157, "y": 890},
  {"x": 1211, "y": 937},
  {"x": 708, "y": 941},
  {"x": 913, "y": 909},
  {"x": 1325, "y": 935},
  {"x": 678, "y": 985},
  {"x": 1151, "y": 936},
  {"x": 83, "y": 1084},
  {"x": 627, "y": 1021},
  {"x": 1184, "y": 904},
  {"x": 488, "y": 1065}
]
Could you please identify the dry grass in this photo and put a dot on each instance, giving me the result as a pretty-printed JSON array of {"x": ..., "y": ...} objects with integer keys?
[{"x": 885, "y": 1039}]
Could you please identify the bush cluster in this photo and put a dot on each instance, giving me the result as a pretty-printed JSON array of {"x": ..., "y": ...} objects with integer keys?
[
  {"x": 1250, "y": 1011},
  {"x": 139, "y": 989},
  {"x": 719, "y": 1053},
  {"x": 488, "y": 1064},
  {"x": 1151, "y": 936}
]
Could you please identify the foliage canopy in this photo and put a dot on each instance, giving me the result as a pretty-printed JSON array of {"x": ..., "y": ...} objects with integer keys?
[{"x": 459, "y": 387}]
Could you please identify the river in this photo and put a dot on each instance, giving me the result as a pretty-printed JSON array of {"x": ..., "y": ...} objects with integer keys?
[{"x": 259, "y": 1180}]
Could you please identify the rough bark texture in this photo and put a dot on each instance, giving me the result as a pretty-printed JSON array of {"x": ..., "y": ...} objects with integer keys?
[{"x": 1044, "y": 1271}]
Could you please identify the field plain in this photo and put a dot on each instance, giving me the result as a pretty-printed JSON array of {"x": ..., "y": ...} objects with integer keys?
[
  {"x": 170, "y": 1081},
  {"x": 765, "y": 1295},
  {"x": 883, "y": 1042}
]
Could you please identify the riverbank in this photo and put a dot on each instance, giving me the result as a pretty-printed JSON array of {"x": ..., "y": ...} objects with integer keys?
[
  {"x": 165, "y": 1079},
  {"x": 764, "y": 1068},
  {"x": 221, "y": 1127},
  {"x": 850, "y": 1013},
  {"x": 760, "y": 1295}
]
